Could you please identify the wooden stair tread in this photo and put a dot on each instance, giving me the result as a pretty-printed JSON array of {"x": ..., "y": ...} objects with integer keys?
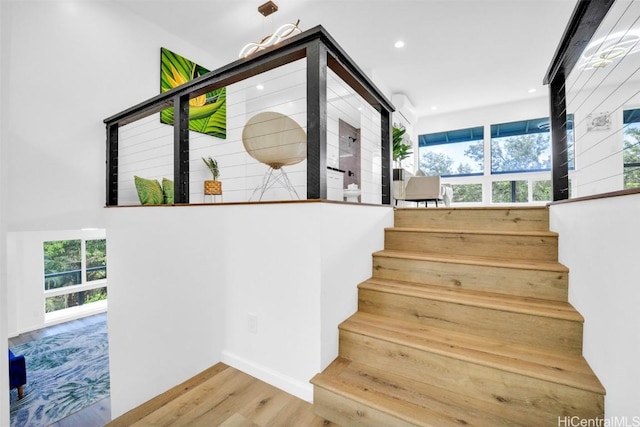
[
  {"x": 400, "y": 396},
  {"x": 561, "y": 369},
  {"x": 469, "y": 231},
  {"x": 532, "y": 306},
  {"x": 477, "y": 208},
  {"x": 475, "y": 260}
]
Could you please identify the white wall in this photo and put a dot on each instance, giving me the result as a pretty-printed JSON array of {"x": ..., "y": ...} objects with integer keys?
[
  {"x": 200, "y": 272},
  {"x": 85, "y": 62},
  {"x": 4, "y": 318},
  {"x": 65, "y": 66},
  {"x": 25, "y": 275},
  {"x": 598, "y": 240},
  {"x": 599, "y": 153},
  {"x": 347, "y": 241},
  {"x": 529, "y": 109},
  {"x": 406, "y": 116}
]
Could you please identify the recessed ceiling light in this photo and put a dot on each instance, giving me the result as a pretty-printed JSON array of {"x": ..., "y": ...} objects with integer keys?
[
  {"x": 259, "y": 87},
  {"x": 399, "y": 44},
  {"x": 532, "y": 90},
  {"x": 434, "y": 108}
]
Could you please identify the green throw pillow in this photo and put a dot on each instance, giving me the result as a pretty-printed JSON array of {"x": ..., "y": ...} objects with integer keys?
[
  {"x": 167, "y": 190},
  {"x": 149, "y": 191}
]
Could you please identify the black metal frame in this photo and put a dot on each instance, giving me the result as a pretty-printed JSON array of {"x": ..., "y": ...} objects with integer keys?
[
  {"x": 585, "y": 20},
  {"x": 322, "y": 52}
]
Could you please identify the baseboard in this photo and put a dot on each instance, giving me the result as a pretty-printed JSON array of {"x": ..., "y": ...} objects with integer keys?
[{"x": 285, "y": 383}]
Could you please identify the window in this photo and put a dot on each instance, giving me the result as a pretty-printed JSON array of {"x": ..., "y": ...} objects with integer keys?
[
  {"x": 510, "y": 192},
  {"x": 542, "y": 191},
  {"x": 75, "y": 273},
  {"x": 631, "y": 153},
  {"x": 525, "y": 146},
  {"x": 452, "y": 153},
  {"x": 467, "y": 193}
]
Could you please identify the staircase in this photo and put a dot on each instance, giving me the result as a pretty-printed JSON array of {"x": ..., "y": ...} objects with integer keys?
[{"x": 465, "y": 322}]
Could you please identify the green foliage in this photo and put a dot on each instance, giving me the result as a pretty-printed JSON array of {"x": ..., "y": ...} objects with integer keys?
[
  {"x": 96, "y": 256},
  {"x": 208, "y": 112},
  {"x": 501, "y": 192},
  {"x": 631, "y": 156},
  {"x": 400, "y": 150},
  {"x": 542, "y": 191},
  {"x": 95, "y": 295},
  {"x": 436, "y": 164},
  {"x": 519, "y": 153},
  {"x": 433, "y": 163},
  {"x": 467, "y": 193},
  {"x": 61, "y": 255},
  {"x": 212, "y": 164}
]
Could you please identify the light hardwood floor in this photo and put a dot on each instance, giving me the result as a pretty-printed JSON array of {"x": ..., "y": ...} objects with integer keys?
[
  {"x": 222, "y": 396},
  {"x": 219, "y": 396}
]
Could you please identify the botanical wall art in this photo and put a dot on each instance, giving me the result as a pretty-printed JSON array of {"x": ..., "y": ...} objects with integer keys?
[{"x": 208, "y": 112}]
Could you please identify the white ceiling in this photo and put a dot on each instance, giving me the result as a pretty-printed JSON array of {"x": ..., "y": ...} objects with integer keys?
[{"x": 459, "y": 54}]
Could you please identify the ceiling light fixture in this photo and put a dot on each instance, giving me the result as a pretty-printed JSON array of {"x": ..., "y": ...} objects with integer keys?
[
  {"x": 604, "y": 51},
  {"x": 268, "y": 8},
  {"x": 399, "y": 44},
  {"x": 259, "y": 87},
  {"x": 285, "y": 31},
  {"x": 532, "y": 90}
]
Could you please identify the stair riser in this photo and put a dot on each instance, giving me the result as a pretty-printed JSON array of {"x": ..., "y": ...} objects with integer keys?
[
  {"x": 346, "y": 412},
  {"x": 540, "y": 248},
  {"x": 551, "y": 285},
  {"x": 556, "y": 335},
  {"x": 516, "y": 219},
  {"x": 523, "y": 399},
  {"x": 406, "y": 399}
]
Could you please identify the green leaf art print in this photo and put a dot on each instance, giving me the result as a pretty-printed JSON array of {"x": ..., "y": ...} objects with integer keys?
[{"x": 208, "y": 112}]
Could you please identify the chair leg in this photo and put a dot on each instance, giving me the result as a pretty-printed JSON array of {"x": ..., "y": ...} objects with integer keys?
[{"x": 20, "y": 391}]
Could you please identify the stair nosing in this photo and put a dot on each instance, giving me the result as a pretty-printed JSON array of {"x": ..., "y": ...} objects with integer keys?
[
  {"x": 447, "y": 350},
  {"x": 524, "y": 233},
  {"x": 524, "y": 305},
  {"x": 540, "y": 265}
]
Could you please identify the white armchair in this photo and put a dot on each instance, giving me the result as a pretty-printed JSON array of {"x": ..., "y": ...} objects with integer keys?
[{"x": 425, "y": 189}]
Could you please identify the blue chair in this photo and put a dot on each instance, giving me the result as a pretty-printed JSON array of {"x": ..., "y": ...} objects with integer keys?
[{"x": 17, "y": 373}]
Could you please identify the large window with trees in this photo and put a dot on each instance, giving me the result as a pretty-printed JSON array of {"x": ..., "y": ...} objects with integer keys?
[
  {"x": 631, "y": 153},
  {"x": 452, "y": 153},
  {"x": 525, "y": 146},
  {"x": 518, "y": 170},
  {"x": 75, "y": 273}
]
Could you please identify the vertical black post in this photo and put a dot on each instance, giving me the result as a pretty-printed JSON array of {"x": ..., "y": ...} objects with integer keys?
[
  {"x": 513, "y": 192},
  {"x": 181, "y": 148},
  {"x": 385, "y": 124},
  {"x": 559, "y": 154},
  {"x": 112, "y": 164},
  {"x": 316, "y": 121}
]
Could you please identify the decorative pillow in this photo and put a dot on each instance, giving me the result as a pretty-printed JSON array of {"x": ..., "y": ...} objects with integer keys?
[
  {"x": 149, "y": 191},
  {"x": 167, "y": 190},
  {"x": 420, "y": 172}
]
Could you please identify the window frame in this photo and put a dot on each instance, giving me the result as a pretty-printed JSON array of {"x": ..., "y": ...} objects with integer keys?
[{"x": 84, "y": 285}]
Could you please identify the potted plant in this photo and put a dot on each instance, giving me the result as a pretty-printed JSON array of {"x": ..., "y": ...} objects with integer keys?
[
  {"x": 400, "y": 151},
  {"x": 212, "y": 187}
]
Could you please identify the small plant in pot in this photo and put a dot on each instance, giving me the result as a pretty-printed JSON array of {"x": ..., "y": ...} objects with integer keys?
[{"x": 212, "y": 187}]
